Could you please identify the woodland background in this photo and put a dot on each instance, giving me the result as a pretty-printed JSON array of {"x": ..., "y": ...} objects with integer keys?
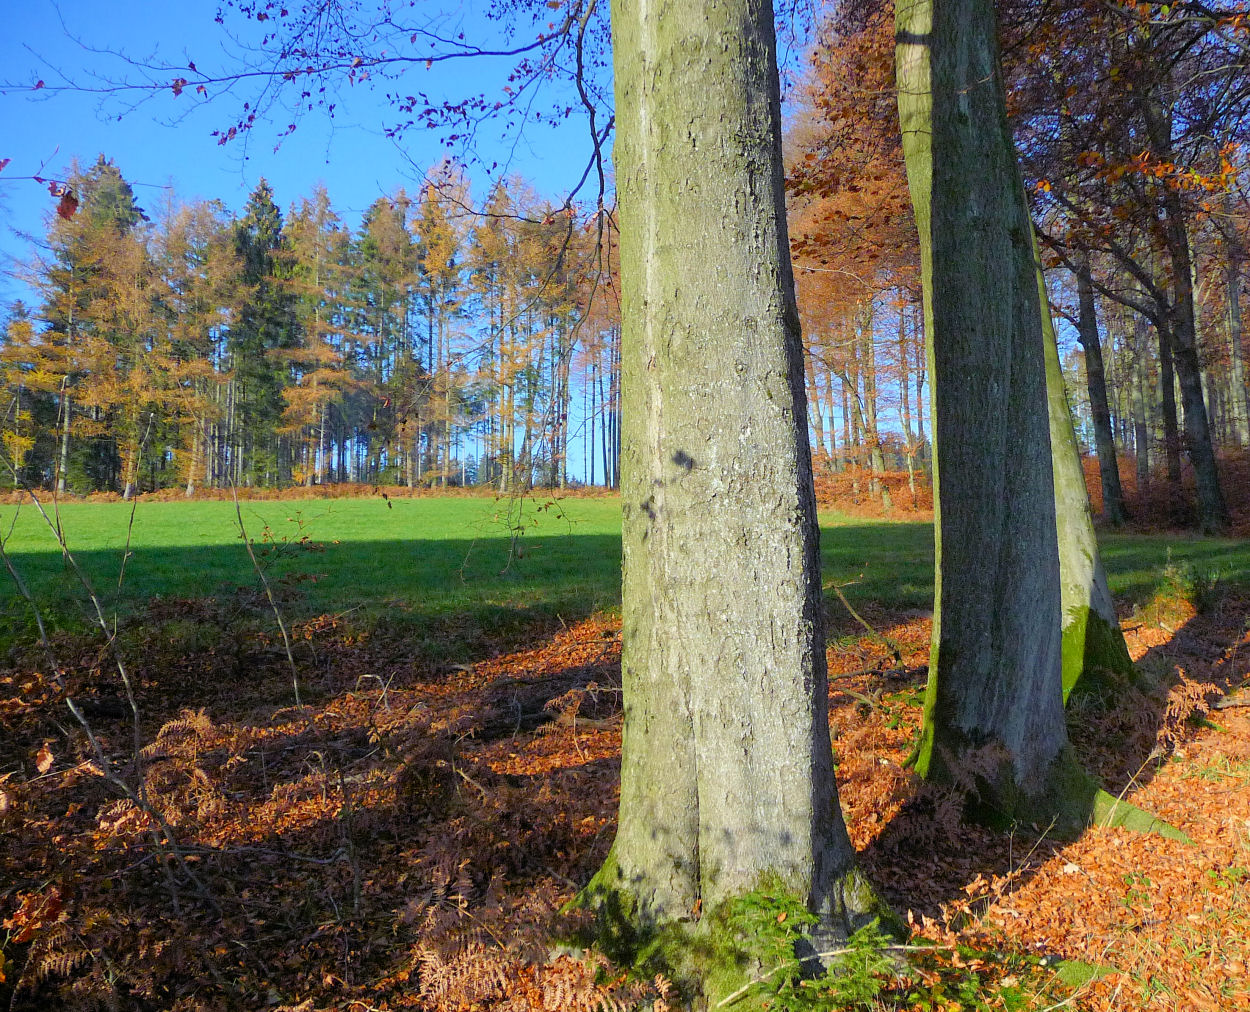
[{"x": 452, "y": 338}]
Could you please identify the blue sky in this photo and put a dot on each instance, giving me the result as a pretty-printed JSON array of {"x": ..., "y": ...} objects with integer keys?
[{"x": 167, "y": 140}]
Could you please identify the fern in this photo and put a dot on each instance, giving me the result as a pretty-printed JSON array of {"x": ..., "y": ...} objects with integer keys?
[{"x": 474, "y": 974}]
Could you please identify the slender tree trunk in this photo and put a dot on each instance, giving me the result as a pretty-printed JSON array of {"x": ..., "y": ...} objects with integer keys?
[
  {"x": 830, "y": 414},
  {"x": 922, "y": 370},
  {"x": 1140, "y": 412},
  {"x": 1095, "y": 378},
  {"x": 994, "y": 703},
  {"x": 1112, "y": 381},
  {"x": 847, "y": 437},
  {"x": 1181, "y": 334},
  {"x": 605, "y": 432},
  {"x": 813, "y": 400},
  {"x": 592, "y": 419},
  {"x": 726, "y": 769},
  {"x": 868, "y": 357},
  {"x": 1239, "y": 396},
  {"x": 198, "y": 451},
  {"x": 62, "y": 471},
  {"x": 909, "y": 439},
  {"x": 1167, "y": 404},
  {"x": 614, "y": 395}
]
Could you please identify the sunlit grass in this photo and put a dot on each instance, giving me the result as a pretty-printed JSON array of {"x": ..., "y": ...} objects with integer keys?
[{"x": 447, "y": 555}]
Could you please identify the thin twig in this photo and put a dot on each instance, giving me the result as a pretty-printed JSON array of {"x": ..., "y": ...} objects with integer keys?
[
  {"x": 890, "y": 644},
  {"x": 260, "y": 572},
  {"x": 165, "y": 841}
]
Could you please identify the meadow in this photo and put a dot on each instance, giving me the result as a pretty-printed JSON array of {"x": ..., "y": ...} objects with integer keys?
[{"x": 483, "y": 557}]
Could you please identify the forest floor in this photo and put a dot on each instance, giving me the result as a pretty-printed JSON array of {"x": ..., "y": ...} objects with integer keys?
[{"x": 408, "y": 836}]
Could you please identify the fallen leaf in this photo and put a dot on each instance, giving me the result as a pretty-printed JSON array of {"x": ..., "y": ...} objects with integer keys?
[{"x": 44, "y": 759}]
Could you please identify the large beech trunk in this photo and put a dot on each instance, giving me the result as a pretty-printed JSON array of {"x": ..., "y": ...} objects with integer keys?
[
  {"x": 994, "y": 706},
  {"x": 727, "y": 773}
]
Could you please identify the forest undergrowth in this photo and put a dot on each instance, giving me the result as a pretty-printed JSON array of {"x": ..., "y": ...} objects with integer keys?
[{"x": 408, "y": 837}]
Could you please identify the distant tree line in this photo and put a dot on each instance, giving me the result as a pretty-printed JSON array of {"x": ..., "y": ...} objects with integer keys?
[{"x": 434, "y": 345}]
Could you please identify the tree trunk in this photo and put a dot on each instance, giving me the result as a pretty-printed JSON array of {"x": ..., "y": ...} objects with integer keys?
[
  {"x": 1181, "y": 333},
  {"x": 726, "y": 772},
  {"x": 922, "y": 370},
  {"x": 1239, "y": 396},
  {"x": 1093, "y": 650},
  {"x": 62, "y": 470},
  {"x": 1167, "y": 403},
  {"x": 813, "y": 400},
  {"x": 909, "y": 441},
  {"x": 1140, "y": 407},
  {"x": 831, "y": 446},
  {"x": 199, "y": 450},
  {"x": 994, "y": 721},
  {"x": 1095, "y": 379}
]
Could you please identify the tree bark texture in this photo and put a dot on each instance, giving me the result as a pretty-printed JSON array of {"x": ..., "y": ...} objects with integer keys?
[
  {"x": 1167, "y": 403},
  {"x": 1181, "y": 332},
  {"x": 727, "y": 773},
  {"x": 994, "y": 705},
  {"x": 1239, "y": 396}
]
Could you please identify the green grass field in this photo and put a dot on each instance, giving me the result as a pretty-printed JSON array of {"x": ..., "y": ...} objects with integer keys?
[{"x": 446, "y": 556}]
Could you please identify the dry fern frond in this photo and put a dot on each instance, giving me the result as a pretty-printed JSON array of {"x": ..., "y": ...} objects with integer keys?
[
  {"x": 477, "y": 973},
  {"x": 54, "y": 954},
  {"x": 187, "y": 729}
]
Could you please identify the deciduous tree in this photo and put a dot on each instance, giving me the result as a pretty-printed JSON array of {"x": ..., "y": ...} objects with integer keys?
[
  {"x": 727, "y": 776},
  {"x": 994, "y": 719}
]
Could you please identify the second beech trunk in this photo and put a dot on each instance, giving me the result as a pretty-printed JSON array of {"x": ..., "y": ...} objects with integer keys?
[{"x": 994, "y": 720}]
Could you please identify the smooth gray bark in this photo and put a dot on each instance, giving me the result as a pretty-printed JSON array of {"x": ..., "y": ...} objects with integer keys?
[
  {"x": 727, "y": 773},
  {"x": 994, "y": 707}
]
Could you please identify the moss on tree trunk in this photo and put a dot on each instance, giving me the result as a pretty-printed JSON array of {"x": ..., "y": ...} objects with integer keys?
[{"x": 1093, "y": 652}]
